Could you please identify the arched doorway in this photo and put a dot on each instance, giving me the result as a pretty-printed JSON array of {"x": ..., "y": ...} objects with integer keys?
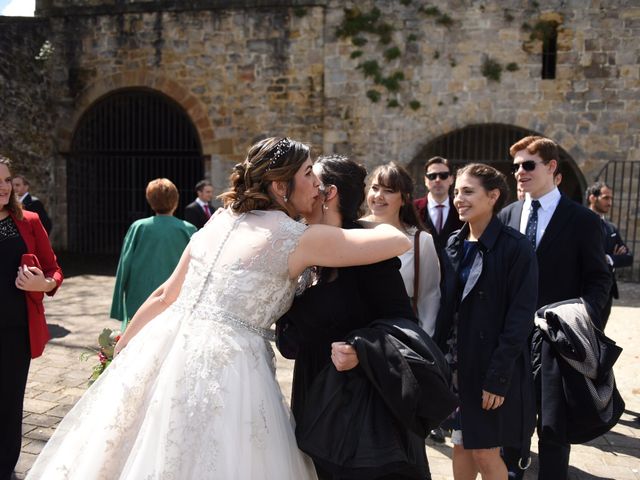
[
  {"x": 123, "y": 141},
  {"x": 489, "y": 143}
]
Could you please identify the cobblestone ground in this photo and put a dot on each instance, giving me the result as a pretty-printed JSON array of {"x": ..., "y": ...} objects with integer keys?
[{"x": 80, "y": 310}]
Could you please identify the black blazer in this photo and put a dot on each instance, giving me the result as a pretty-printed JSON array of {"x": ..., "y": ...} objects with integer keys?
[
  {"x": 571, "y": 258},
  {"x": 33, "y": 204},
  {"x": 195, "y": 215},
  {"x": 612, "y": 240},
  {"x": 451, "y": 223}
]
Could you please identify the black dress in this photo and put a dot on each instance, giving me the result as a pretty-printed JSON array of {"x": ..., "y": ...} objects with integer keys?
[
  {"x": 329, "y": 311},
  {"x": 15, "y": 354}
]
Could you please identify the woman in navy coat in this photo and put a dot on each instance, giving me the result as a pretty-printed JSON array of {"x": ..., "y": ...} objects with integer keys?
[{"x": 492, "y": 284}]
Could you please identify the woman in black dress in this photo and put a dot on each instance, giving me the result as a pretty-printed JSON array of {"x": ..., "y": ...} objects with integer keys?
[
  {"x": 23, "y": 331},
  {"x": 343, "y": 300},
  {"x": 494, "y": 292}
]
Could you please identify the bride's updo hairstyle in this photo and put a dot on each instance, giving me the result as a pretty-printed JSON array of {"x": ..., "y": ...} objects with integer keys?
[{"x": 272, "y": 159}]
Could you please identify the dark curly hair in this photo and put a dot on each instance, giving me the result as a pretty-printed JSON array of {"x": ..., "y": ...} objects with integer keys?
[
  {"x": 272, "y": 159},
  {"x": 348, "y": 177}
]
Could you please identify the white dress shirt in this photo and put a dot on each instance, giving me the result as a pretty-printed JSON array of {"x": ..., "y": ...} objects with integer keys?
[
  {"x": 548, "y": 204},
  {"x": 432, "y": 206}
]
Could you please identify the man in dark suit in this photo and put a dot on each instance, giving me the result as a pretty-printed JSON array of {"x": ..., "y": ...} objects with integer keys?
[
  {"x": 600, "y": 199},
  {"x": 33, "y": 204},
  {"x": 200, "y": 210},
  {"x": 571, "y": 264},
  {"x": 436, "y": 208}
]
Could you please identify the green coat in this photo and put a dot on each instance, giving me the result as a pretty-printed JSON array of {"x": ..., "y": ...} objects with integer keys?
[{"x": 150, "y": 252}]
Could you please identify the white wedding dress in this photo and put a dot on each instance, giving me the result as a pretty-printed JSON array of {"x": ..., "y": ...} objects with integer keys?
[{"x": 194, "y": 394}]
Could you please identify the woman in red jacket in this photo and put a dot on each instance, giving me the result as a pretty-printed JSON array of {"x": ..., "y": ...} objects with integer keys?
[{"x": 23, "y": 330}]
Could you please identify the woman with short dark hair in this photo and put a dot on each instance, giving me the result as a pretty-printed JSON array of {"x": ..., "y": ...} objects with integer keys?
[{"x": 150, "y": 252}]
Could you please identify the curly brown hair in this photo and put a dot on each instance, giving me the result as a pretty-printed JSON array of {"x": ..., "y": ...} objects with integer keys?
[
  {"x": 274, "y": 159},
  {"x": 13, "y": 206}
]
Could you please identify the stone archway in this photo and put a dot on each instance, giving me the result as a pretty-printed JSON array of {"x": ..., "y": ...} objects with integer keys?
[
  {"x": 489, "y": 143},
  {"x": 124, "y": 140},
  {"x": 190, "y": 103}
]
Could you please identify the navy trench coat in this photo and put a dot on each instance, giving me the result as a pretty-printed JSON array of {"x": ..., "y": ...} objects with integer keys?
[{"x": 496, "y": 310}]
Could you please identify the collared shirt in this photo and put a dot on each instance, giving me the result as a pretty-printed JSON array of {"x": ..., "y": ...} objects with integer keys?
[
  {"x": 20, "y": 199},
  {"x": 432, "y": 206},
  {"x": 548, "y": 204}
]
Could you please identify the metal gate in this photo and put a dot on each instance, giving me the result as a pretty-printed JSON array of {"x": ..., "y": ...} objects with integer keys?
[
  {"x": 489, "y": 143},
  {"x": 623, "y": 177},
  {"x": 121, "y": 143}
]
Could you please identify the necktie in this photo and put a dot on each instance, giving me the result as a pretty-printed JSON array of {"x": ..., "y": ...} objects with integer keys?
[
  {"x": 532, "y": 223},
  {"x": 439, "y": 219},
  {"x": 206, "y": 210}
]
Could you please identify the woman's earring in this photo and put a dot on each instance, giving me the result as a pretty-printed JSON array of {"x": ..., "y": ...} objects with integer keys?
[
  {"x": 285, "y": 198},
  {"x": 325, "y": 206}
]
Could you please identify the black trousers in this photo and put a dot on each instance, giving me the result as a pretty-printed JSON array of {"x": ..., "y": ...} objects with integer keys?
[
  {"x": 553, "y": 460},
  {"x": 15, "y": 357}
]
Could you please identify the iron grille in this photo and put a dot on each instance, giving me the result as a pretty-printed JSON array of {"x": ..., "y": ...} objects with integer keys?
[
  {"x": 489, "y": 143},
  {"x": 123, "y": 141},
  {"x": 623, "y": 177}
]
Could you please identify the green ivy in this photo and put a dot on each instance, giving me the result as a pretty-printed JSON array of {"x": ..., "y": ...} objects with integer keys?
[
  {"x": 358, "y": 24},
  {"x": 512, "y": 67},
  {"x": 373, "y": 95},
  {"x": 359, "y": 41},
  {"x": 391, "y": 53},
  {"x": 491, "y": 69}
]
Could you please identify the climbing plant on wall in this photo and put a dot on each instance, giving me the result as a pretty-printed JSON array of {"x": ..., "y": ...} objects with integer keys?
[{"x": 363, "y": 27}]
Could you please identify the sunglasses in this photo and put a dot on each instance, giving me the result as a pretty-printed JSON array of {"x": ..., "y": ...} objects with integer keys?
[
  {"x": 527, "y": 165},
  {"x": 433, "y": 176}
]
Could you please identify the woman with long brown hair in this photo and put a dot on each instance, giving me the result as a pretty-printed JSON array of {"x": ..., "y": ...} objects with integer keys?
[{"x": 24, "y": 248}]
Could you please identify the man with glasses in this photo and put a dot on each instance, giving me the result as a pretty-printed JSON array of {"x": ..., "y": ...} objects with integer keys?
[
  {"x": 436, "y": 208},
  {"x": 571, "y": 263},
  {"x": 600, "y": 199}
]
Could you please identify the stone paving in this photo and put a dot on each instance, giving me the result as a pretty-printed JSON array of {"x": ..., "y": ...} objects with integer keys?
[{"x": 80, "y": 311}]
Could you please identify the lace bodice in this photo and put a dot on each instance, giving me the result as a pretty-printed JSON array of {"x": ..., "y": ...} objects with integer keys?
[{"x": 239, "y": 270}]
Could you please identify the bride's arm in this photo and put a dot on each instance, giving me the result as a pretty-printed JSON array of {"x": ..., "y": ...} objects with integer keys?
[
  {"x": 158, "y": 301},
  {"x": 335, "y": 247}
]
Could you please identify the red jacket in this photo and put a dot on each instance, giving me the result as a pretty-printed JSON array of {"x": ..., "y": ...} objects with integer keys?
[{"x": 35, "y": 238}]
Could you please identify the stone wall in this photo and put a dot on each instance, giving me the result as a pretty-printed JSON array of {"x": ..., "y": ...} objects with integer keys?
[
  {"x": 590, "y": 108},
  {"x": 247, "y": 68},
  {"x": 27, "y": 109}
]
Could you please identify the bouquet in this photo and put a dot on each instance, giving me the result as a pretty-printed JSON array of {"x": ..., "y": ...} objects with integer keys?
[{"x": 106, "y": 343}]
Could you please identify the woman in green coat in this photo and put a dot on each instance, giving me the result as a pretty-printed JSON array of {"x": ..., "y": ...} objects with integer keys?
[{"x": 150, "y": 252}]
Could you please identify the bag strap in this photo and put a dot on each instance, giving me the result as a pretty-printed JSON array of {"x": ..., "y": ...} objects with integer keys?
[{"x": 416, "y": 270}]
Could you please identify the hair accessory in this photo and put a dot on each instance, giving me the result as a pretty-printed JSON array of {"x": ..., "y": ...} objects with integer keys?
[{"x": 278, "y": 151}]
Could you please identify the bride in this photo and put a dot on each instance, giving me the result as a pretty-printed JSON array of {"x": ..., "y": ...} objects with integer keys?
[{"x": 192, "y": 393}]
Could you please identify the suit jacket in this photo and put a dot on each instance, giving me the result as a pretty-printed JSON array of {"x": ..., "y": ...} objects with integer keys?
[
  {"x": 37, "y": 242},
  {"x": 612, "y": 240},
  {"x": 33, "y": 204},
  {"x": 571, "y": 258},
  {"x": 195, "y": 215},
  {"x": 451, "y": 223}
]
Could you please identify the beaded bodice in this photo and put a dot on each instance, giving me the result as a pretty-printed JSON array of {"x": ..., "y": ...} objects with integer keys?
[{"x": 238, "y": 272}]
